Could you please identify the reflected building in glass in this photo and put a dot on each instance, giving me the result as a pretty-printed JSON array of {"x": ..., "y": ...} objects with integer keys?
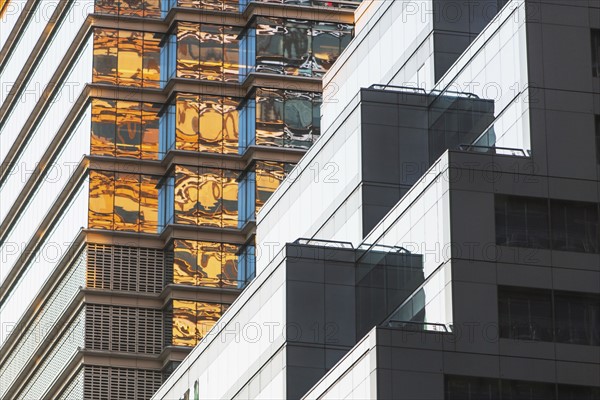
[
  {"x": 139, "y": 140},
  {"x": 441, "y": 239}
]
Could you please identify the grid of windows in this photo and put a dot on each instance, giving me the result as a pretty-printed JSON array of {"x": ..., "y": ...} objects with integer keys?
[
  {"x": 542, "y": 223},
  {"x": 126, "y": 58},
  {"x": 123, "y": 202},
  {"x": 125, "y": 129},
  {"x": 206, "y": 264},
  {"x": 129, "y": 8},
  {"x": 191, "y": 320},
  {"x": 544, "y": 315},
  {"x": 475, "y": 388},
  {"x": 292, "y": 47}
]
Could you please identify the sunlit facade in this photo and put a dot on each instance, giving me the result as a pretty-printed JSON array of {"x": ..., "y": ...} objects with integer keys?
[
  {"x": 139, "y": 140},
  {"x": 451, "y": 246}
]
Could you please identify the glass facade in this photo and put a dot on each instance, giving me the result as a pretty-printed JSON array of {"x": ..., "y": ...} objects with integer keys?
[
  {"x": 257, "y": 185},
  {"x": 292, "y": 47},
  {"x": 129, "y": 8},
  {"x": 126, "y": 58},
  {"x": 545, "y": 315},
  {"x": 201, "y": 51},
  {"x": 282, "y": 118},
  {"x": 192, "y": 320},
  {"x": 207, "y": 264},
  {"x": 200, "y": 196},
  {"x": 209, "y": 124},
  {"x": 124, "y": 129},
  {"x": 123, "y": 202},
  {"x": 539, "y": 223},
  {"x": 469, "y": 387}
]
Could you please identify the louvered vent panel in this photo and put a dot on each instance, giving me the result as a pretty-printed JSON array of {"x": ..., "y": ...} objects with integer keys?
[
  {"x": 124, "y": 329},
  {"x": 107, "y": 383},
  {"x": 97, "y": 329},
  {"x": 125, "y": 268}
]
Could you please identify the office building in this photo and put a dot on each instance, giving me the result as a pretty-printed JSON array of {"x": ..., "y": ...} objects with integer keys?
[
  {"x": 138, "y": 139},
  {"x": 451, "y": 247}
]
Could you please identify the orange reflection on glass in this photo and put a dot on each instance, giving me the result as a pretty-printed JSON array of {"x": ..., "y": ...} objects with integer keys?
[
  {"x": 184, "y": 323},
  {"x": 185, "y": 262},
  {"x": 187, "y": 122},
  {"x": 229, "y": 266},
  {"x": 205, "y": 263},
  {"x": 186, "y": 195},
  {"x": 208, "y": 264},
  {"x": 188, "y": 50},
  {"x": 209, "y": 197},
  {"x": 211, "y": 125},
  {"x": 103, "y": 127},
  {"x": 127, "y": 206},
  {"x": 231, "y": 57},
  {"x": 131, "y": 8},
  {"x": 230, "y": 199},
  {"x": 269, "y": 176},
  {"x": 131, "y": 45},
  {"x": 216, "y": 5},
  {"x": 151, "y": 60},
  {"x": 128, "y": 135},
  {"x": 148, "y": 217},
  {"x": 124, "y": 202},
  {"x": 192, "y": 321},
  {"x": 230, "y": 125},
  {"x": 105, "y": 55},
  {"x": 207, "y": 316},
  {"x": 101, "y": 202},
  {"x": 211, "y": 53},
  {"x": 150, "y": 131}
]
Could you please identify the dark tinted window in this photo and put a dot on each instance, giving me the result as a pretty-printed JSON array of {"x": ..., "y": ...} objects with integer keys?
[
  {"x": 596, "y": 52},
  {"x": 598, "y": 139},
  {"x": 471, "y": 388},
  {"x": 522, "y": 390},
  {"x": 569, "y": 392},
  {"x": 574, "y": 226},
  {"x": 521, "y": 221},
  {"x": 577, "y": 319},
  {"x": 525, "y": 314}
]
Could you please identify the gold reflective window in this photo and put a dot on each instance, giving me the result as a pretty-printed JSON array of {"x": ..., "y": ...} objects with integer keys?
[
  {"x": 126, "y": 58},
  {"x": 192, "y": 321},
  {"x": 206, "y": 123},
  {"x": 269, "y": 176},
  {"x": 188, "y": 50},
  {"x": 150, "y": 131},
  {"x": 127, "y": 205},
  {"x": 187, "y": 122},
  {"x": 148, "y": 217},
  {"x": 186, "y": 195},
  {"x": 124, "y": 202},
  {"x": 101, "y": 202},
  {"x": 127, "y": 129},
  {"x": 103, "y": 127},
  {"x": 216, "y": 5},
  {"x": 105, "y": 55},
  {"x": 205, "y": 263},
  {"x": 131, "y": 48},
  {"x": 130, "y": 8},
  {"x": 206, "y": 196},
  {"x": 207, "y": 52}
]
